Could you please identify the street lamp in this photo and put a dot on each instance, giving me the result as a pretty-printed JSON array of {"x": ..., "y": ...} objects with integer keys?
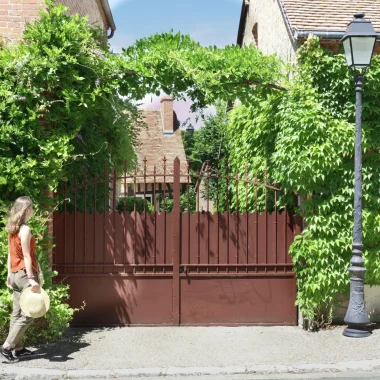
[
  {"x": 359, "y": 43},
  {"x": 189, "y": 130}
]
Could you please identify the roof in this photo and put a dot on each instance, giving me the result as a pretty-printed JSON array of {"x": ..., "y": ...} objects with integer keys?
[
  {"x": 153, "y": 145},
  {"x": 328, "y": 15},
  {"x": 242, "y": 22},
  {"x": 108, "y": 13}
]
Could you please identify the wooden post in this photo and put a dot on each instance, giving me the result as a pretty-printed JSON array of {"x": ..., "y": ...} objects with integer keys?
[{"x": 176, "y": 242}]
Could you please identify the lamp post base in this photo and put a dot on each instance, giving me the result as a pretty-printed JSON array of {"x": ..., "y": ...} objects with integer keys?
[{"x": 358, "y": 332}]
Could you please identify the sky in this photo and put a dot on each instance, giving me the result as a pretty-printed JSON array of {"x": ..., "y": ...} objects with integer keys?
[{"x": 210, "y": 22}]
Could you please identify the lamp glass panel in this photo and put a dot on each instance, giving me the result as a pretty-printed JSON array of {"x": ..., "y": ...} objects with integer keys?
[
  {"x": 362, "y": 49},
  {"x": 347, "y": 51}
]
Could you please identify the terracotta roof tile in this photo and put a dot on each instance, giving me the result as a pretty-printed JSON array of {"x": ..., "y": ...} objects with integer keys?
[{"x": 332, "y": 15}]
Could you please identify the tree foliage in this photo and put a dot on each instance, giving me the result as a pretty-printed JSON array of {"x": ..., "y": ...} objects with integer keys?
[{"x": 209, "y": 142}]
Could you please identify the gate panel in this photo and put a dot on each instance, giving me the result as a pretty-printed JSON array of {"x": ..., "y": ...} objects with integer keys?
[
  {"x": 121, "y": 300},
  {"x": 234, "y": 292},
  {"x": 238, "y": 301},
  {"x": 221, "y": 264}
]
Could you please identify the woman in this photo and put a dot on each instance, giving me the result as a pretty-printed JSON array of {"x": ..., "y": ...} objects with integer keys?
[{"x": 22, "y": 272}]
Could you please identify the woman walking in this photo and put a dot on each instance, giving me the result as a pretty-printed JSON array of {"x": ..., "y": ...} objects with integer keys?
[{"x": 22, "y": 273}]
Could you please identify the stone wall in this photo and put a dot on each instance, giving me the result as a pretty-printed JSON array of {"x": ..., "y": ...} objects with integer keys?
[
  {"x": 266, "y": 29},
  {"x": 91, "y": 8}
]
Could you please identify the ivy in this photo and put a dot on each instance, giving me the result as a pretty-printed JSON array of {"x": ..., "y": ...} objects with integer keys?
[{"x": 305, "y": 138}]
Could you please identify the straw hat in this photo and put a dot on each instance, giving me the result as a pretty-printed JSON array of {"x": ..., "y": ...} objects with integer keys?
[{"x": 33, "y": 304}]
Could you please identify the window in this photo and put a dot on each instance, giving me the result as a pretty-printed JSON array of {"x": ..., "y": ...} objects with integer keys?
[{"x": 255, "y": 35}]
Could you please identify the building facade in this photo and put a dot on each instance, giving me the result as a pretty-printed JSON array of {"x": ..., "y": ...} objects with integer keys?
[
  {"x": 14, "y": 14},
  {"x": 281, "y": 26}
]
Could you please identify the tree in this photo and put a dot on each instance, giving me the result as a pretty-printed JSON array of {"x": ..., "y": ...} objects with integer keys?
[{"x": 208, "y": 143}]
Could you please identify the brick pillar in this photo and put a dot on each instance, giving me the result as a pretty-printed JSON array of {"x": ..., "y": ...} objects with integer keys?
[{"x": 167, "y": 114}]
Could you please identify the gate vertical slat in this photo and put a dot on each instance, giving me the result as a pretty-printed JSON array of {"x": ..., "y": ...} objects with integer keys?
[
  {"x": 257, "y": 225},
  {"x": 95, "y": 212},
  {"x": 275, "y": 240},
  {"x": 75, "y": 225},
  {"x": 134, "y": 220},
  {"x": 266, "y": 223},
  {"x": 199, "y": 222},
  {"x": 114, "y": 217},
  {"x": 165, "y": 213},
  {"x": 145, "y": 235},
  {"x": 176, "y": 242},
  {"x": 65, "y": 227},
  {"x": 124, "y": 217},
  {"x": 104, "y": 217},
  {"x": 84, "y": 219},
  {"x": 208, "y": 213},
  {"x": 237, "y": 218},
  {"x": 188, "y": 211},
  {"x": 285, "y": 238},
  {"x": 228, "y": 219},
  {"x": 247, "y": 212},
  {"x": 218, "y": 217},
  {"x": 155, "y": 218}
]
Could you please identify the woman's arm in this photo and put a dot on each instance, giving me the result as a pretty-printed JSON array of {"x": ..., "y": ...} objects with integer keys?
[
  {"x": 9, "y": 270},
  {"x": 25, "y": 236},
  {"x": 9, "y": 263}
]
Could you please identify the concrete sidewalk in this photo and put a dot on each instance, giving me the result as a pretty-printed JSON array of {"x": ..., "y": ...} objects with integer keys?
[{"x": 159, "y": 351}]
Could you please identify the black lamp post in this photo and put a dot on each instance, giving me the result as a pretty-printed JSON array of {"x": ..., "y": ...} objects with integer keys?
[{"x": 359, "y": 43}]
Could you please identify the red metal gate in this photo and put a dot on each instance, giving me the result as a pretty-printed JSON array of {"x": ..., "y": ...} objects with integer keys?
[{"x": 175, "y": 265}]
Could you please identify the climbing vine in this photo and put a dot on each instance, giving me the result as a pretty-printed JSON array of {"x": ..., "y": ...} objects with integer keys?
[{"x": 305, "y": 137}]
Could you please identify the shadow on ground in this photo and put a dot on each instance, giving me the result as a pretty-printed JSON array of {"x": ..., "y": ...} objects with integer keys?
[{"x": 72, "y": 341}]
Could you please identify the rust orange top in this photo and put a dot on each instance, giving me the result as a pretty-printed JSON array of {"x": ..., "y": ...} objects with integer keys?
[{"x": 17, "y": 256}]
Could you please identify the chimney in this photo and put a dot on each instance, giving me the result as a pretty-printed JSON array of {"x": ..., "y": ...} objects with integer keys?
[{"x": 167, "y": 114}]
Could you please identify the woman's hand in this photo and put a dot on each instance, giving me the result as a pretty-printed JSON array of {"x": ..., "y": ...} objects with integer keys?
[{"x": 35, "y": 286}]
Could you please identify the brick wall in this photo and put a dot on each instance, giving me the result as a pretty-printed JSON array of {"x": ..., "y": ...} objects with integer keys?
[{"x": 14, "y": 14}]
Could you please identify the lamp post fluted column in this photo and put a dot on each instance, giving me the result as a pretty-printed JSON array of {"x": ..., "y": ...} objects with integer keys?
[
  {"x": 356, "y": 316},
  {"x": 359, "y": 44}
]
